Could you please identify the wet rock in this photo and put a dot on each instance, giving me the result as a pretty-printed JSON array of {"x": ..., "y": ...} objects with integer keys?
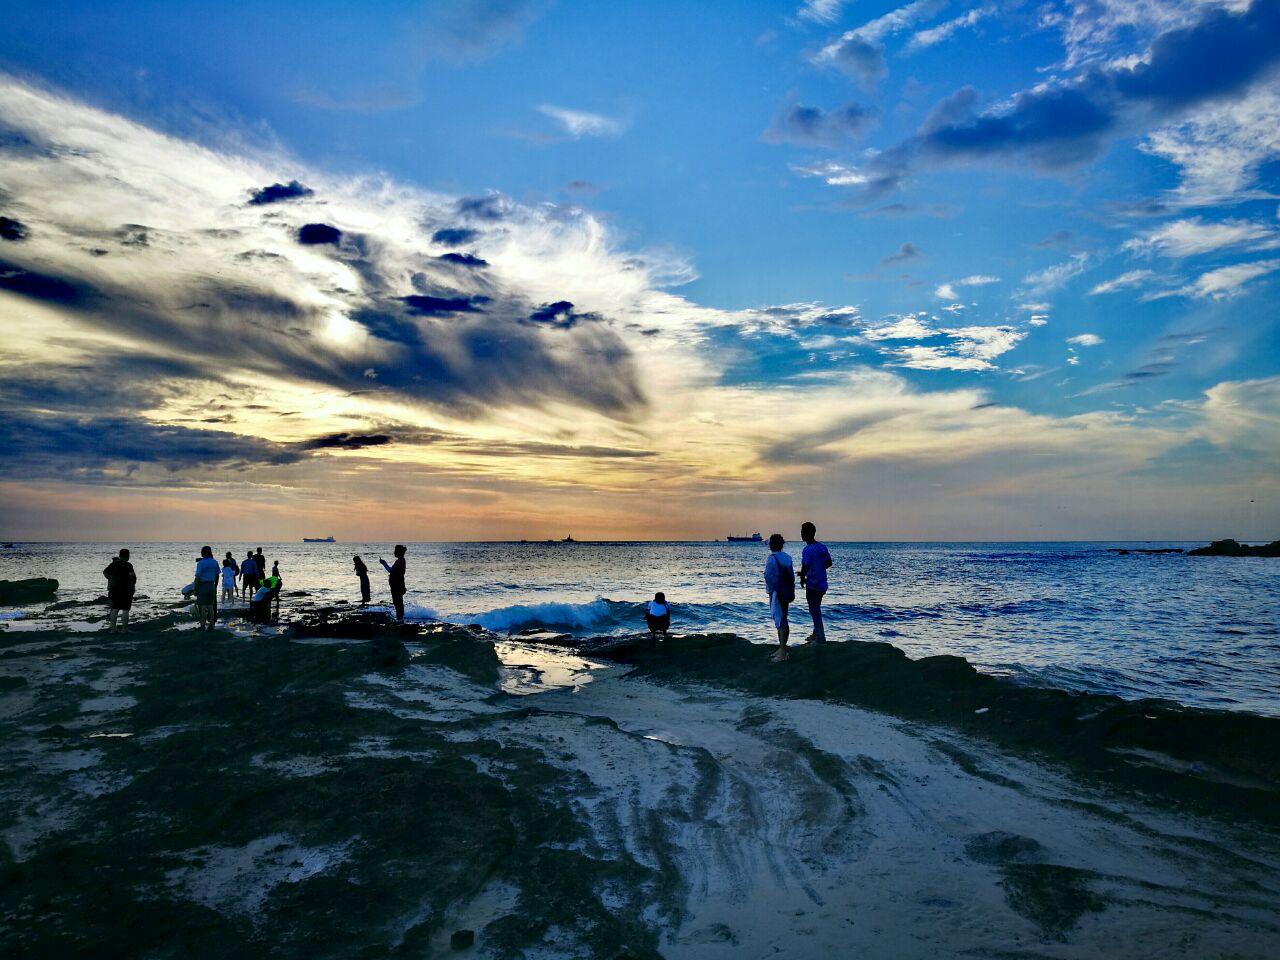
[
  {"x": 1001, "y": 847},
  {"x": 462, "y": 939},
  {"x": 35, "y": 590},
  {"x": 1231, "y": 548}
]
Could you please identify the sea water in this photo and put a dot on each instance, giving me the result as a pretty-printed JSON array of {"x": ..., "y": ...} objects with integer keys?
[{"x": 1198, "y": 630}]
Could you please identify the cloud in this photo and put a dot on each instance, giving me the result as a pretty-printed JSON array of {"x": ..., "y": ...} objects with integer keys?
[
  {"x": 1085, "y": 340},
  {"x": 277, "y": 192},
  {"x": 946, "y": 291},
  {"x": 454, "y": 236},
  {"x": 1057, "y": 275},
  {"x": 859, "y": 53},
  {"x": 1130, "y": 279},
  {"x": 832, "y": 172},
  {"x": 580, "y": 123},
  {"x": 820, "y": 11},
  {"x": 561, "y": 315},
  {"x": 318, "y": 233},
  {"x": 1224, "y": 282},
  {"x": 463, "y": 260},
  {"x": 970, "y": 348},
  {"x": 1056, "y": 239},
  {"x": 1221, "y": 150},
  {"x": 1192, "y": 237},
  {"x": 464, "y": 31},
  {"x": 906, "y": 327},
  {"x": 1062, "y": 123},
  {"x": 906, "y": 252},
  {"x": 812, "y": 126},
  {"x": 1038, "y": 320},
  {"x": 943, "y": 31},
  {"x": 978, "y": 280},
  {"x": 11, "y": 229}
]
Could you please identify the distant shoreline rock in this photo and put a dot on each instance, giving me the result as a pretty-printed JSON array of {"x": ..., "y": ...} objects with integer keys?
[
  {"x": 35, "y": 590},
  {"x": 1232, "y": 548}
]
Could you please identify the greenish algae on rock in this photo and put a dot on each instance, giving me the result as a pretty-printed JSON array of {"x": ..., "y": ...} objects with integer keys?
[{"x": 243, "y": 805}]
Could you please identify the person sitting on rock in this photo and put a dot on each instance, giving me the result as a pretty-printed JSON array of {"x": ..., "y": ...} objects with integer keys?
[{"x": 260, "y": 605}]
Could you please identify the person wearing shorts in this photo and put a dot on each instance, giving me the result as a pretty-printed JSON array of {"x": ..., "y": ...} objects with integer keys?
[
  {"x": 250, "y": 576},
  {"x": 206, "y": 588},
  {"x": 780, "y": 583},
  {"x": 121, "y": 583}
]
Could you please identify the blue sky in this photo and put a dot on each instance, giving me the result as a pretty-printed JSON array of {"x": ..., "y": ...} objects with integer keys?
[{"x": 1066, "y": 212}]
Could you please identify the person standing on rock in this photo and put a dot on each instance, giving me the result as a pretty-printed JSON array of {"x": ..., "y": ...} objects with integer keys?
[
  {"x": 395, "y": 578},
  {"x": 230, "y": 571},
  {"x": 121, "y": 582},
  {"x": 363, "y": 573},
  {"x": 250, "y": 576},
  {"x": 814, "y": 563},
  {"x": 206, "y": 588},
  {"x": 780, "y": 583}
]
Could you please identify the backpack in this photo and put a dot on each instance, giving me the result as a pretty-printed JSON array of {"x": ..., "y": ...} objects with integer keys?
[{"x": 786, "y": 590}]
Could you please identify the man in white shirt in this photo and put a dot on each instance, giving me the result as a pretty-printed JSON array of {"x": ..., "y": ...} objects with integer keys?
[
  {"x": 780, "y": 583},
  {"x": 813, "y": 576}
]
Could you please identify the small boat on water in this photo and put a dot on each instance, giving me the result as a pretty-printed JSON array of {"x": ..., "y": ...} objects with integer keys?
[
  {"x": 754, "y": 538},
  {"x": 569, "y": 539},
  {"x": 318, "y": 540}
]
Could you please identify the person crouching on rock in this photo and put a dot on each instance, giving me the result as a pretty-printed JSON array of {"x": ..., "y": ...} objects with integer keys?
[
  {"x": 121, "y": 582},
  {"x": 206, "y": 584},
  {"x": 658, "y": 616},
  {"x": 780, "y": 583}
]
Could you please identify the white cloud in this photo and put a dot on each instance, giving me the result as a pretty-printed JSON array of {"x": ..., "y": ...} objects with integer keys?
[
  {"x": 934, "y": 35},
  {"x": 1193, "y": 236},
  {"x": 978, "y": 280},
  {"x": 834, "y": 172},
  {"x": 946, "y": 291},
  {"x": 580, "y": 123},
  {"x": 907, "y": 327},
  {"x": 1130, "y": 279},
  {"x": 1220, "y": 149},
  {"x": 1228, "y": 281},
  {"x": 820, "y": 11},
  {"x": 970, "y": 348},
  {"x": 1085, "y": 340},
  {"x": 1038, "y": 320},
  {"x": 1051, "y": 278},
  {"x": 1035, "y": 307}
]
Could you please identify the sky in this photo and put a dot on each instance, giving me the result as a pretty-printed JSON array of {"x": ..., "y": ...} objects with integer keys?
[{"x": 502, "y": 269}]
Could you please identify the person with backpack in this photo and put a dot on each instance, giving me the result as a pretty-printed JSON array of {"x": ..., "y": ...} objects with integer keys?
[{"x": 780, "y": 584}]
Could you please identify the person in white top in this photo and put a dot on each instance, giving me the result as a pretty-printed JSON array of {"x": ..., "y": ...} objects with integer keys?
[
  {"x": 658, "y": 616},
  {"x": 780, "y": 584}
]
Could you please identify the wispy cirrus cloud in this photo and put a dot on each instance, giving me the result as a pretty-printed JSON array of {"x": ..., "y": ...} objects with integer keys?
[
  {"x": 943, "y": 31},
  {"x": 859, "y": 53},
  {"x": 1195, "y": 236},
  {"x": 1132, "y": 278},
  {"x": 581, "y": 123}
]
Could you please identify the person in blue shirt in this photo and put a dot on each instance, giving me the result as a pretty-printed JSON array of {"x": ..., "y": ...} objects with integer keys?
[
  {"x": 813, "y": 577},
  {"x": 780, "y": 584},
  {"x": 206, "y": 588}
]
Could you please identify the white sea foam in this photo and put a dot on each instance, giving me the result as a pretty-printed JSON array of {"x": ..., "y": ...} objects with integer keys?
[{"x": 577, "y": 615}]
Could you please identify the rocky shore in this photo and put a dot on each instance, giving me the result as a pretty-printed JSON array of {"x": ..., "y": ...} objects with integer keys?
[{"x": 346, "y": 787}]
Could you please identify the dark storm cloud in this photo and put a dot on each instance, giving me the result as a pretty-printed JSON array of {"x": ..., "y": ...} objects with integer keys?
[
  {"x": 1063, "y": 124},
  {"x": 316, "y": 233},
  {"x": 492, "y": 207},
  {"x": 1056, "y": 239},
  {"x": 463, "y": 260},
  {"x": 277, "y": 192},
  {"x": 43, "y": 286},
  {"x": 51, "y": 446},
  {"x": 348, "y": 441},
  {"x": 455, "y": 236},
  {"x": 560, "y": 315},
  {"x": 424, "y": 306},
  {"x": 813, "y": 126},
  {"x": 11, "y": 229}
]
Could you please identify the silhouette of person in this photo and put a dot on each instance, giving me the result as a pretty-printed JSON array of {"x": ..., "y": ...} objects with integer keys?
[
  {"x": 206, "y": 584},
  {"x": 395, "y": 578},
  {"x": 780, "y": 583},
  {"x": 121, "y": 582},
  {"x": 814, "y": 562},
  {"x": 261, "y": 561},
  {"x": 230, "y": 571},
  {"x": 363, "y": 573},
  {"x": 250, "y": 575},
  {"x": 658, "y": 616}
]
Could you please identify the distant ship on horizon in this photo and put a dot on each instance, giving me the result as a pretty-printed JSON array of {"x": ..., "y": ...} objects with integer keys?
[
  {"x": 318, "y": 540},
  {"x": 754, "y": 538}
]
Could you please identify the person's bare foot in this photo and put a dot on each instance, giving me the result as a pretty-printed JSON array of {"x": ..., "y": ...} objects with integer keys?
[{"x": 780, "y": 656}]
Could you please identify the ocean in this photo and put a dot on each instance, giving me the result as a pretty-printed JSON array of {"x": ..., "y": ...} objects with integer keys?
[{"x": 1200, "y": 631}]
